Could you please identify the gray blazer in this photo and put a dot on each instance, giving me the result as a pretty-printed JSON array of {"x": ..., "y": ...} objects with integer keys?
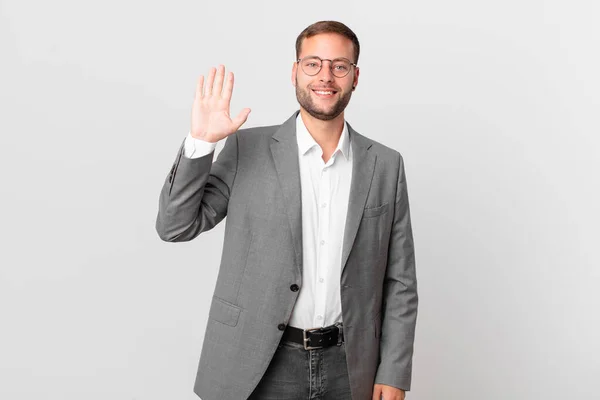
[{"x": 255, "y": 182}]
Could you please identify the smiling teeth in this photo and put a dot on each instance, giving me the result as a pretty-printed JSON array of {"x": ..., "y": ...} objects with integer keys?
[{"x": 321, "y": 92}]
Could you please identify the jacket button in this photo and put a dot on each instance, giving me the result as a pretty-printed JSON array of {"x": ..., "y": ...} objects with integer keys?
[
  {"x": 294, "y": 288},
  {"x": 281, "y": 327}
]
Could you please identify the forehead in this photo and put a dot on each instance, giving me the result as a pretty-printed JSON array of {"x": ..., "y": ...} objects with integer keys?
[{"x": 327, "y": 45}]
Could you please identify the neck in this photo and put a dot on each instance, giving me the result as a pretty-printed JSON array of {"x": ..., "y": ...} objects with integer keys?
[{"x": 326, "y": 133}]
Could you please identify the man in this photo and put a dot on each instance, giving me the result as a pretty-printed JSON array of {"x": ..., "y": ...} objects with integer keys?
[{"x": 316, "y": 295}]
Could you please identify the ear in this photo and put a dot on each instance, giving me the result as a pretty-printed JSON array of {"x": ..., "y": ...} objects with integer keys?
[
  {"x": 294, "y": 72},
  {"x": 355, "y": 81}
]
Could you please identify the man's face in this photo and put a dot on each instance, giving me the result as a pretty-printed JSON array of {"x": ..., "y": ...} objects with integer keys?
[{"x": 325, "y": 106}]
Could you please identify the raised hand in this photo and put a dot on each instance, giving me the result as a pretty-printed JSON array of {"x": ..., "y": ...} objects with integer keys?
[{"x": 211, "y": 121}]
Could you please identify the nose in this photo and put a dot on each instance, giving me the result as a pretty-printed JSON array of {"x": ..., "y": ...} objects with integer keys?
[{"x": 325, "y": 74}]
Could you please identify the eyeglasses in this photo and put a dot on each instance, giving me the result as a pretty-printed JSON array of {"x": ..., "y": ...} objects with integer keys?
[{"x": 339, "y": 67}]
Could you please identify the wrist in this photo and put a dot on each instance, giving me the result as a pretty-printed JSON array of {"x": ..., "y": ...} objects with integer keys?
[{"x": 204, "y": 138}]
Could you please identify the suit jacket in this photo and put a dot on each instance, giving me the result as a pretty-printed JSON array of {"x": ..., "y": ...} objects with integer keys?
[{"x": 255, "y": 182}]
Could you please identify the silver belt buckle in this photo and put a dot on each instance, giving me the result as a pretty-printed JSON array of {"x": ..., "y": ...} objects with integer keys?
[{"x": 306, "y": 339}]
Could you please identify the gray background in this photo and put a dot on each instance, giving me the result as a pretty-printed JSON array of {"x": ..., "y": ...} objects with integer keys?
[{"x": 494, "y": 106}]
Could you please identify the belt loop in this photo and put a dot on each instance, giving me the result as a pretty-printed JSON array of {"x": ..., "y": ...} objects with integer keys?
[{"x": 339, "y": 341}]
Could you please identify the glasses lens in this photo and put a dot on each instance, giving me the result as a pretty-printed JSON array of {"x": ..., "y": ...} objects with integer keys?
[
  {"x": 340, "y": 68},
  {"x": 311, "y": 65}
]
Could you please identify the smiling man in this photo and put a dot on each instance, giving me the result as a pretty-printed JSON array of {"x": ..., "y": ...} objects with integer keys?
[{"x": 316, "y": 296}]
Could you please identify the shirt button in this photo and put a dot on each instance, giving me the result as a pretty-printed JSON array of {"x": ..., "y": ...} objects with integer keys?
[
  {"x": 294, "y": 288},
  {"x": 281, "y": 327},
  {"x": 324, "y": 205},
  {"x": 320, "y": 279},
  {"x": 319, "y": 317},
  {"x": 322, "y": 242}
]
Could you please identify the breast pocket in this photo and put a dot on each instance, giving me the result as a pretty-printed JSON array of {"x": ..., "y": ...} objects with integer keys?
[{"x": 370, "y": 212}]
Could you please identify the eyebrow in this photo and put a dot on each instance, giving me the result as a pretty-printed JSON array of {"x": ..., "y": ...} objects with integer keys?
[{"x": 337, "y": 58}]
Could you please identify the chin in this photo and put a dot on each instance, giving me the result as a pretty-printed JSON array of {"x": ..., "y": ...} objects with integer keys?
[{"x": 322, "y": 114}]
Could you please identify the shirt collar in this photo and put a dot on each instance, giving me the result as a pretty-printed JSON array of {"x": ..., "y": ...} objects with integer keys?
[{"x": 307, "y": 142}]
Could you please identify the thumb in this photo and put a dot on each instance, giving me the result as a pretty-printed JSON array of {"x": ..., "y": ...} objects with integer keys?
[{"x": 241, "y": 118}]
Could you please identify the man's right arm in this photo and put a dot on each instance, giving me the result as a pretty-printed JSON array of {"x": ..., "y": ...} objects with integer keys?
[{"x": 195, "y": 195}]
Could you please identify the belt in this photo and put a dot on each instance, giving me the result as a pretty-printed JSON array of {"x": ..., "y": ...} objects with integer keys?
[{"x": 315, "y": 338}]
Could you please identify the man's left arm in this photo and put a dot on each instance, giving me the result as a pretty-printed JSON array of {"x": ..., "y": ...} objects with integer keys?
[{"x": 399, "y": 302}]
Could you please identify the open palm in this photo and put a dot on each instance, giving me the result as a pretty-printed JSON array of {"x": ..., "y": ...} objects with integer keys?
[{"x": 210, "y": 112}]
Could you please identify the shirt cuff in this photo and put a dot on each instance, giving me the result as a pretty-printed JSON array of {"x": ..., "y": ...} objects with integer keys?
[{"x": 196, "y": 148}]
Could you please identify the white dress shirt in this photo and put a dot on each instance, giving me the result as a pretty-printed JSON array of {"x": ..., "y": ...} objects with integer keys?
[{"x": 325, "y": 193}]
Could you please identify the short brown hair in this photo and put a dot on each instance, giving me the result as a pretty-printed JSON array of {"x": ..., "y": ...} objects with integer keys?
[{"x": 328, "y": 27}]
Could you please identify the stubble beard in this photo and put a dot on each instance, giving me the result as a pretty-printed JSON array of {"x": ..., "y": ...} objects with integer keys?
[{"x": 306, "y": 101}]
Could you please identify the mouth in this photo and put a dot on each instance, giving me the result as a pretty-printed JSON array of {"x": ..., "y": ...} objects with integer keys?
[{"x": 324, "y": 93}]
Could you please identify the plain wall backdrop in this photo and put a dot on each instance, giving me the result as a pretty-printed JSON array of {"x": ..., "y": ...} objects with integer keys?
[{"x": 494, "y": 106}]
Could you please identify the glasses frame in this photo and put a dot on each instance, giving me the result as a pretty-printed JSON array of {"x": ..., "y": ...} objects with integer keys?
[{"x": 330, "y": 65}]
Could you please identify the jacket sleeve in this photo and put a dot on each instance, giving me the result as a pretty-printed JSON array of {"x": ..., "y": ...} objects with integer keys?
[
  {"x": 195, "y": 195},
  {"x": 399, "y": 302}
]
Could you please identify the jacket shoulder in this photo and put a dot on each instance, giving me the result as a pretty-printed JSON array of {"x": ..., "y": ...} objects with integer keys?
[
  {"x": 258, "y": 132},
  {"x": 385, "y": 153}
]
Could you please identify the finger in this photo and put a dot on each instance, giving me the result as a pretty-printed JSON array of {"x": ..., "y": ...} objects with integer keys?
[
  {"x": 241, "y": 118},
  {"x": 228, "y": 87},
  {"x": 376, "y": 393},
  {"x": 209, "y": 84},
  {"x": 200, "y": 86},
  {"x": 219, "y": 81}
]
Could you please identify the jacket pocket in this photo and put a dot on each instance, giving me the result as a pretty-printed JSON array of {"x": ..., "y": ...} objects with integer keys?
[
  {"x": 375, "y": 211},
  {"x": 224, "y": 312}
]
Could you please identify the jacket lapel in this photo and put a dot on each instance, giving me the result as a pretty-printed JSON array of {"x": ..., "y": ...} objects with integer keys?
[
  {"x": 363, "y": 166},
  {"x": 284, "y": 149}
]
